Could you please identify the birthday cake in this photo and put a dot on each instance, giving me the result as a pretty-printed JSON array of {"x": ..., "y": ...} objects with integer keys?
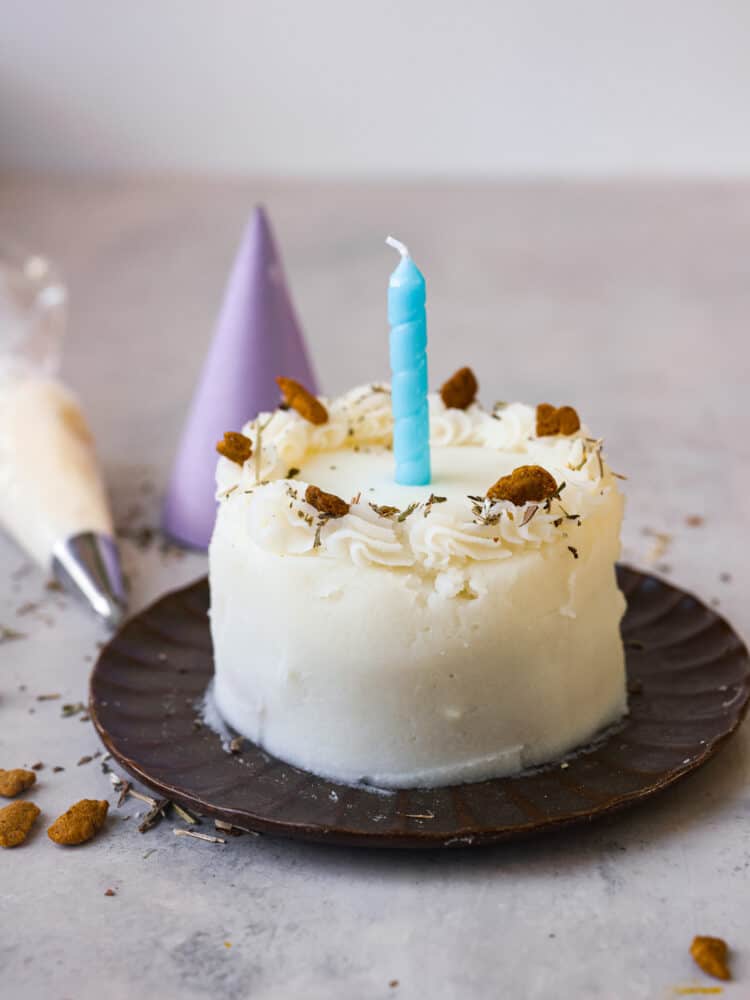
[{"x": 416, "y": 635}]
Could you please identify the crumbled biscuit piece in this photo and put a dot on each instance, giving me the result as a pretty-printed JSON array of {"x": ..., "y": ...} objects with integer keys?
[
  {"x": 460, "y": 391},
  {"x": 551, "y": 420},
  {"x": 235, "y": 446},
  {"x": 526, "y": 484},
  {"x": 569, "y": 420},
  {"x": 326, "y": 503},
  {"x": 14, "y": 782},
  {"x": 16, "y": 820},
  {"x": 298, "y": 397},
  {"x": 546, "y": 420},
  {"x": 80, "y": 823},
  {"x": 711, "y": 954}
]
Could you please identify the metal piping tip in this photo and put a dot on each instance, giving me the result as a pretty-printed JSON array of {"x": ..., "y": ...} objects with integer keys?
[{"x": 88, "y": 565}]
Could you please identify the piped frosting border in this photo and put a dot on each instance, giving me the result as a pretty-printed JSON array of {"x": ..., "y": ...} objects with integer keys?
[{"x": 435, "y": 533}]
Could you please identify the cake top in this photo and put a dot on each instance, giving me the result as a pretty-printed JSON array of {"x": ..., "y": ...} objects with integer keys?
[{"x": 315, "y": 478}]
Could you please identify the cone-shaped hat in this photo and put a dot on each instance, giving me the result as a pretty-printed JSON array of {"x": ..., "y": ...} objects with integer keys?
[{"x": 257, "y": 337}]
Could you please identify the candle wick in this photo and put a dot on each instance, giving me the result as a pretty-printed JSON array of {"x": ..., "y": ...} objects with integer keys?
[{"x": 398, "y": 245}]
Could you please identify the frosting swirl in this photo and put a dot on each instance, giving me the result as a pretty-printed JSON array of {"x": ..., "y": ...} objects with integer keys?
[{"x": 436, "y": 533}]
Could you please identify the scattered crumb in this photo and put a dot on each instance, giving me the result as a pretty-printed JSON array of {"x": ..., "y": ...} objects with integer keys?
[
  {"x": 80, "y": 823},
  {"x": 16, "y": 821},
  {"x": 393, "y": 984},
  {"x": 227, "y": 944},
  {"x": 14, "y": 782},
  {"x": 57, "y": 769},
  {"x": 86, "y": 759},
  {"x": 47, "y": 697},
  {"x": 711, "y": 954},
  {"x": 694, "y": 520},
  {"x": 110, "y": 892},
  {"x": 725, "y": 577},
  {"x": 38, "y": 766}
]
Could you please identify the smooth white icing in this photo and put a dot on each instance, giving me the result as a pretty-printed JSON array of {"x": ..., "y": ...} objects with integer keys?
[{"x": 453, "y": 644}]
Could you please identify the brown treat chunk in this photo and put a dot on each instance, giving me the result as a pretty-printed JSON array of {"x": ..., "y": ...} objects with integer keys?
[
  {"x": 547, "y": 422},
  {"x": 14, "y": 782},
  {"x": 569, "y": 421},
  {"x": 460, "y": 390},
  {"x": 80, "y": 823},
  {"x": 326, "y": 503},
  {"x": 526, "y": 484},
  {"x": 711, "y": 954},
  {"x": 307, "y": 405},
  {"x": 551, "y": 420},
  {"x": 16, "y": 820},
  {"x": 235, "y": 446}
]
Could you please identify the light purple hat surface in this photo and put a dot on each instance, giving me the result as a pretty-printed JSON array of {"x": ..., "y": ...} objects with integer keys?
[{"x": 256, "y": 338}]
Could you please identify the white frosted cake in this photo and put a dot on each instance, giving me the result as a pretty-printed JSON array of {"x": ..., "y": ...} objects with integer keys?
[{"x": 407, "y": 636}]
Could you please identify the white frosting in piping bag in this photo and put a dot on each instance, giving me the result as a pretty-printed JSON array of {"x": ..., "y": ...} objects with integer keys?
[{"x": 50, "y": 487}]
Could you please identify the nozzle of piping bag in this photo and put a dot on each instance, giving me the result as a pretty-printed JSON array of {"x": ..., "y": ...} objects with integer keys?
[{"x": 88, "y": 565}]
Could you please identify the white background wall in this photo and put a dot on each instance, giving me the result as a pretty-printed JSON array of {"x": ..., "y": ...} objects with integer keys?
[{"x": 581, "y": 87}]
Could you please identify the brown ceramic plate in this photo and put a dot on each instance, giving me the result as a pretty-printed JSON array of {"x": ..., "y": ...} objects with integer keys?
[{"x": 688, "y": 674}]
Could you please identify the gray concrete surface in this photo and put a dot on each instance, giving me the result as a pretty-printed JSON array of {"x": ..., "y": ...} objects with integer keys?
[{"x": 633, "y": 302}]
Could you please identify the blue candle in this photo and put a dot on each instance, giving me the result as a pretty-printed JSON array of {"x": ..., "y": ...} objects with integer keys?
[{"x": 408, "y": 341}]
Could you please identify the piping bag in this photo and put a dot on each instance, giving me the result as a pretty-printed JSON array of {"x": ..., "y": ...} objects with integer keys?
[{"x": 52, "y": 498}]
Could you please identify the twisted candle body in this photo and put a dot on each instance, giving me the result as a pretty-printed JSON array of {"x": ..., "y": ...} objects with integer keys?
[{"x": 408, "y": 349}]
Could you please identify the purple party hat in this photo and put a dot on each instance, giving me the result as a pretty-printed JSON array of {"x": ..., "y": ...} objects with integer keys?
[{"x": 257, "y": 337}]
